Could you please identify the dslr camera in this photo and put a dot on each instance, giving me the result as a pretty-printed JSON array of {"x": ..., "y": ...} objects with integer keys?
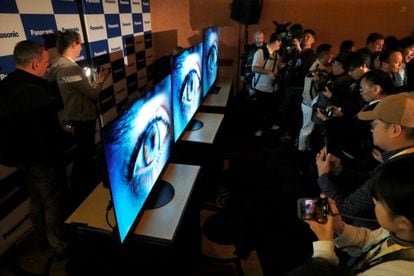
[
  {"x": 313, "y": 209},
  {"x": 323, "y": 80}
]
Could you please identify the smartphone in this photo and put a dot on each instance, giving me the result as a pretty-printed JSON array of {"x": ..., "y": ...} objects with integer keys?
[{"x": 313, "y": 209}]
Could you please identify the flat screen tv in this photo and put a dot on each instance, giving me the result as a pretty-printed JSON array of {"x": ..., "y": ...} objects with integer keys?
[
  {"x": 137, "y": 146},
  {"x": 186, "y": 85},
  {"x": 211, "y": 37}
]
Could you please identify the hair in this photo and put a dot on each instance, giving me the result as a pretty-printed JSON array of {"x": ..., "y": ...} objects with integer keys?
[
  {"x": 309, "y": 31},
  {"x": 372, "y": 37},
  {"x": 323, "y": 49},
  {"x": 385, "y": 55},
  {"x": 274, "y": 37},
  {"x": 390, "y": 42},
  {"x": 26, "y": 51},
  {"x": 65, "y": 39},
  {"x": 406, "y": 42},
  {"x": 296, "y": 30},
  {"x": 319, "y": 266},
  {"x": 356, "y": 60},
  {"x": 381, "y": 78},
  {"x": 346, "y": 46},
  {"x": 395, "y": 188},
  {"x": 259, "y": 32}
]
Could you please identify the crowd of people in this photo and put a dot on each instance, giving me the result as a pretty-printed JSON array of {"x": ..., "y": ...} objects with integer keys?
[{"x": 353, "y": 113}]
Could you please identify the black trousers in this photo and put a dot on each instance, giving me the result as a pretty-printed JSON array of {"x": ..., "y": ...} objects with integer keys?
[{"x": 84, "y": 172}]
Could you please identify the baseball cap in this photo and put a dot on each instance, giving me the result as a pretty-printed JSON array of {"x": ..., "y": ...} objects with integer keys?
[{"x": 394, "y": 109}]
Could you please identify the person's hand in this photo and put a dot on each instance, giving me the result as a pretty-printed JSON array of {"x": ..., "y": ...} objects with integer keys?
[
  {"x": 327, "y": 92},
  {"x": 335, "y": 162},
  {"x": 297, "y": 44},
  {"x": 320, "y": 115},
  {"x": 103, "y": 74},
  {"x": 322, "y": 162},
  {"x": 333, "y": 225},
  {"x": 377, "y": 155},
  {"x": 337, "y": 111},
  {"x": 271, "y": 75}
]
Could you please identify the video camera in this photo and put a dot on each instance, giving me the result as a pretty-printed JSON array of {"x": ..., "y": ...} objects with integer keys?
[{"x": 288, "y": 50}]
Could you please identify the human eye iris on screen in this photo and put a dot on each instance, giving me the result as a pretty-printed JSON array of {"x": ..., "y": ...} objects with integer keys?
[
  {"x": 190, "y": 89},
  {"x": 143, "y": 162},
  {"x": 212, "y": 57}
]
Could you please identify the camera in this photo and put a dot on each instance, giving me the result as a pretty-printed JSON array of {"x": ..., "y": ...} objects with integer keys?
[
  {"x": 327, "y": 111},
  {"x": 323, "y": 80},
  {"x": 313, "y": 209}
]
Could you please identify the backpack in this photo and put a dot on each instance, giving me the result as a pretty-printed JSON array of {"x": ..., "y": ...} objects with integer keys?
[{"x": 247, "y": 72}]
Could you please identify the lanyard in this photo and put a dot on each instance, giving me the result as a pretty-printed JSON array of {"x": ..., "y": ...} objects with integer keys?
[{"x": 406, "y": 151}]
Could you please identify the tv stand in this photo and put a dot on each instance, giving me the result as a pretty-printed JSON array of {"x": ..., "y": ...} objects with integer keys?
[
  {"x": 194, "y": 125},
  {"x": 162, "y": 193}
]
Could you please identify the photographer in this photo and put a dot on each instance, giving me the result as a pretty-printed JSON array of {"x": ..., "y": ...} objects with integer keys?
[
  {"x": 265, "y": 67},
  {"x": 293, "y": 81},
  {"x": 387, "y": 250},
  {"x": 309, "y": 95}
]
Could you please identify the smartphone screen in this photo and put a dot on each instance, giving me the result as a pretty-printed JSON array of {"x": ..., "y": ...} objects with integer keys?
[{"x": 313, "y": 209}]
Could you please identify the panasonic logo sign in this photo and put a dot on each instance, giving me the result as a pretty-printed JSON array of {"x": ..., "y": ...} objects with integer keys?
[
  {"x": 41, "y": 32},
  {"x": 145, "y": 3},
  {"x": 126, "y": 24},
  {"x": 124, "y": 2},
  {"x": 107, "y": 100},
  {"x": 9, "y": 35},
  {"x": 95, "y": 28},
  {"x": 99, "y": 53},
  {"x": 116, "y": 49},
  {"x": 110, "y": 1},
  {"x": 73, "y": 29},
  {"x": 137, "y": 23},
  {"x": 111, "y": 26},
  {"x": 118, "y": 71},
  {"x": 136, "y": 3},
  {"x": 120, "y": 91},
  {"x": 93, "y": 1},
  {"x": 132, "y": 84}
]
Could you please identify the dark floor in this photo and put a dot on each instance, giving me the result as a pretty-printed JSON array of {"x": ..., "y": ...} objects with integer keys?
[{"x": 254, "y": 200}]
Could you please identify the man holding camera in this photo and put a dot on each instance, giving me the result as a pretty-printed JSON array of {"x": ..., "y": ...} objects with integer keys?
[
  {"x": 265, "y": 66},
  {"x": 392, "y": 130}
]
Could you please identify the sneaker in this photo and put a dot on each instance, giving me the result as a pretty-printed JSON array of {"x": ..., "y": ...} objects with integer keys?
[
  {"x": 275, "y": 127},
  {"x": 258, "y": 133}
]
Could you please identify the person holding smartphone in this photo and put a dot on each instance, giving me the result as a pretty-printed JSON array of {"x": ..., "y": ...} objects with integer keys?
[
  {"x": 79, "y": 111},
  {"x": 388, "y": 250}
]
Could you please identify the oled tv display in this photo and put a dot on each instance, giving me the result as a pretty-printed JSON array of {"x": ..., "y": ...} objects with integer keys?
[
  {"x": 186, "y": 84},
  {"x": 137, "y": 146},
  {"x": 211, "y": 37}
]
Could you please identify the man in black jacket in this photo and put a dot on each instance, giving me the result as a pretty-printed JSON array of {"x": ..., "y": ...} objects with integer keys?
[{"x": 31, "y": 140}]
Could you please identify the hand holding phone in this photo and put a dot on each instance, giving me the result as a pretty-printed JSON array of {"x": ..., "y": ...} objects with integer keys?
[{"x": 313, "y": 209}]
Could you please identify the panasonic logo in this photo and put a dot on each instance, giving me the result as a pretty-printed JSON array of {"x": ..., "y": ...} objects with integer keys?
[
  {"x": 111, "y": 26},
  {"x": 107, "y": 100},
  {"x": 110, "y": 1},
  {"x": 136, "y": 3},
  {"x": 9, "y": 35},
  {"x": 99, "y": 53},
  {"x": 145, "y": 3},
  {"x": 147, "y": 22},
  {"x": 118, "y": 71},
  {"x": 141, "y": 60},
  {"x": 120, "y": 91},
  {"x": 41, "y": 32},
  {"x": 132, "y": 84},
  {"x": 2, "y": 76},
  {"x": 73, "y": 29},
  {"x": 93, "y": 1},
  {"x": 116, "y": 49},
  {"x": 94, "y": 28},
  {"x": 126, "y": 24},
  {"x": 137, "y": 23},
  {"x": 124, "y": 2}
]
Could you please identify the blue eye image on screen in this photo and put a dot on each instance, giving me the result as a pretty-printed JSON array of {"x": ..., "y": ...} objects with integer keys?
[
  {"x": 211, "y": 38},
  {"x": 137, "y": 146},
  {"x": 186, "y": 82}
]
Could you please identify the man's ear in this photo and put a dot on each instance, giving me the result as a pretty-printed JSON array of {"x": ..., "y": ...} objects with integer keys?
[
  {"x": 34, "y": 65},
  {"x": 405, "y": 224}
]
